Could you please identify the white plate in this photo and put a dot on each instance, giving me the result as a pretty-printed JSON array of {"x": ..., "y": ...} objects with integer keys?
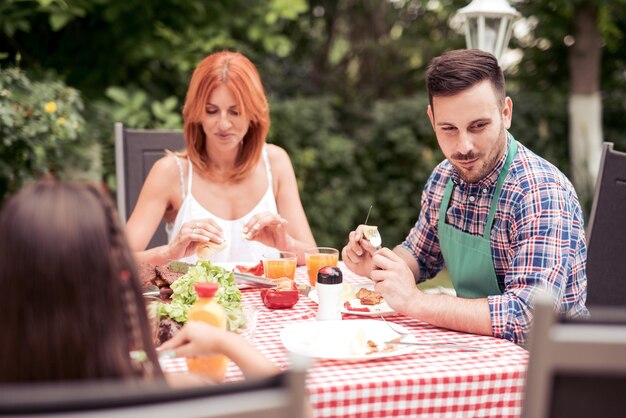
[
  {"x": 347, "y": 294},
  {"x": 231, "y": 266},
  {"x": 343, "y": 340}
]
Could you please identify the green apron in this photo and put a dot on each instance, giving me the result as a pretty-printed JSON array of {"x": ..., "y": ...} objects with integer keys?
[{"x": 468, "y": 257}]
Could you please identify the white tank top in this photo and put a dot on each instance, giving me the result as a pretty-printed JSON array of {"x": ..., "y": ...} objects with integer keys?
[{"x": 238, "y": 249}]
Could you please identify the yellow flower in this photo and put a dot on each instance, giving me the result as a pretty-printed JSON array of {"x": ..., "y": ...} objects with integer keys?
[
  {"x": 61, "y": 121},
  {"x": 50, "y": 107}
]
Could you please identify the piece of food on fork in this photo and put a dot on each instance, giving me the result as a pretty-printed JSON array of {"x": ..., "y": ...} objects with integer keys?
[{"x": 371, "y": 234}]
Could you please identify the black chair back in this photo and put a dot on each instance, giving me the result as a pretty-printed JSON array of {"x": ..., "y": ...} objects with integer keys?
[
  {"x": 136, "y": 151},
  {"x": 606, "y": 237}
]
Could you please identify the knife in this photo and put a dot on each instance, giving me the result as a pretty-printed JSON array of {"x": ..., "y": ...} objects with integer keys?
[{"x": 253, "y": 280}]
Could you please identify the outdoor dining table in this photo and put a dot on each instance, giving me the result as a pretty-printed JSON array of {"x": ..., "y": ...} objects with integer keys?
[{"x": 428, "y": 382}]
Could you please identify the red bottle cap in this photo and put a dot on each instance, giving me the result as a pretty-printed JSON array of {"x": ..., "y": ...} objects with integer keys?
[{"x": 206, "y": 290}]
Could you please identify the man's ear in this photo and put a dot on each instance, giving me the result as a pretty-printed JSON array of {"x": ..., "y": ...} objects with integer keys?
[
  {"x": 507, "y": 112},
  {"x": 429, "y": 111}
]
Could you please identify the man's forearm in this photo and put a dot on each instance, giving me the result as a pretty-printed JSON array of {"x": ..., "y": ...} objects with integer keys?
[{"x": 467, "y": 315}]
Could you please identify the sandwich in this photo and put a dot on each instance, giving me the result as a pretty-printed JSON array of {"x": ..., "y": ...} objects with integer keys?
[{"x": 205, "y": 250}]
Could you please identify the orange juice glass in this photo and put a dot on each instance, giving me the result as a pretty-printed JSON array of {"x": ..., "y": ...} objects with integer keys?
[
  {"x": 319, "y": 257},
  {"x": 281, "y": 265}
]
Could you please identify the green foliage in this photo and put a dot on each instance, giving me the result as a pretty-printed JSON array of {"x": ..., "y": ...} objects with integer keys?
[
  {"x": 384, "y": 156},
  {"x": 153, "y": 45},
  {"x": 341, "y": 170},
  {"x": 324, "y": 161},
  {"x": 40, "y": 130},
  {"x": 134, "y": 108},
  {"x": 540, "y": 123},
  {"x": 346, "y": 80}
]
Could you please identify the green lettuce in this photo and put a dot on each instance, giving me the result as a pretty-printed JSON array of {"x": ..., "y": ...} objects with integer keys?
[{"x": 228, "y": 296}]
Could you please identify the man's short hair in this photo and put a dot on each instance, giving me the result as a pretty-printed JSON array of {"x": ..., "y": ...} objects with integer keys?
[{"x": 458, "y": 70}]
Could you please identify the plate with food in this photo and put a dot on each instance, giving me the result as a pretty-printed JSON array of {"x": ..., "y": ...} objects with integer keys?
[
  {"x": 248, "y": 267},
  {"x": 360, "y": 299},
  {"x": 172, "y": 313},
  {"x": 364, "y": 339},
  {"x": 247, "y": 273}
]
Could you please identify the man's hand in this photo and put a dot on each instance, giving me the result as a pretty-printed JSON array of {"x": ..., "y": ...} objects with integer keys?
[
  {"x": 394, "y": 280},
  {"x": 358, "y": 252}
]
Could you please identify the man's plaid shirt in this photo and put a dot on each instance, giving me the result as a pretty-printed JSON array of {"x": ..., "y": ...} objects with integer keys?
[{"x": 537, "y": 239}]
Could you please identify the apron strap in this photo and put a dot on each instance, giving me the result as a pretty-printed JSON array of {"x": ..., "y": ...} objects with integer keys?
[
  {"x": 445, "y": 202},
  {"x": 512, "y": 152}
]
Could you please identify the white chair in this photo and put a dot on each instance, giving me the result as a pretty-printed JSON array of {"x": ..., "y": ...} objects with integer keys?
[
  {"x": 136, "y": 151},
  {"x": 576, "y": 368},
  {"x": 281, "y": 396}
]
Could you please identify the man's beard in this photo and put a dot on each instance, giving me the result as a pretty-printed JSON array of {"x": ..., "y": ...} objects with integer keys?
[{"x": 485, "y": 166}]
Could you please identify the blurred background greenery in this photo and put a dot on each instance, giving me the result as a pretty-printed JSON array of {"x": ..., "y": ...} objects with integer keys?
[{"x": 345, "y": 80}]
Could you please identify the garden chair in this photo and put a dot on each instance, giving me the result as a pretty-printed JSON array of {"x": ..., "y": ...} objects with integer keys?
[
  {"x": 577, "y": 368},
  {"x": 281, "y": 396},
  {"x": 606, "y": 237},
  {"x": 136, "y": 150}
]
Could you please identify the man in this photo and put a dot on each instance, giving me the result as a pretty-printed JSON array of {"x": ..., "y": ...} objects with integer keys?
[{"x": 503, "y": 221}]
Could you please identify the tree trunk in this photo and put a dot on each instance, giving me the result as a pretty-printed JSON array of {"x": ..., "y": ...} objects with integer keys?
[{"x": 585, "y": 105}]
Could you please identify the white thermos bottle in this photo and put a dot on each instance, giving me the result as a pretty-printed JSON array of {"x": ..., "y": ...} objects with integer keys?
[{"x": 329, "y": 284}]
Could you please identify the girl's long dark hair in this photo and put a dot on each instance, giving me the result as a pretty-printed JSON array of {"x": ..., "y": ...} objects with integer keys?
[{"x": 71, "y": 306}]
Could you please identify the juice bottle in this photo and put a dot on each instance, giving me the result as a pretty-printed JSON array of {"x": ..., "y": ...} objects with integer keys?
[{"x": 207, "y": 310}]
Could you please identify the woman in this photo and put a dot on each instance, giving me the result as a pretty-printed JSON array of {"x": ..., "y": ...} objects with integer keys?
[
  {"x": 228, "y": 188},
  {"x": 73, "y": 307}
]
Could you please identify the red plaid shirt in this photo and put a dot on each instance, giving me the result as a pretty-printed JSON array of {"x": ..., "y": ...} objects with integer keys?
[{"x": 537, "y": 239}]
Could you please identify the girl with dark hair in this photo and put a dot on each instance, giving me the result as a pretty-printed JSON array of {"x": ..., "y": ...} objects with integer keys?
[
  {"x": 228, "y": 188},
  {"x": 73, "y": 307}
]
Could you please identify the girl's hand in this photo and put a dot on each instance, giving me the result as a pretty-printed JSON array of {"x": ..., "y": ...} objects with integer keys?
[{"x": 196, "y": 339}]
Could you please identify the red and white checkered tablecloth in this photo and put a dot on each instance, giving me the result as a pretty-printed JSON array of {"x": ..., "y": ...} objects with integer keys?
[{"x": 429, "y": 382}]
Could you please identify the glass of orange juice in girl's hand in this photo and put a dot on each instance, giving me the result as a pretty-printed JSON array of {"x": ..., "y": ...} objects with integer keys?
[
  {"x": 282, "y": 264},
  {"x": 319, "y": 257}
]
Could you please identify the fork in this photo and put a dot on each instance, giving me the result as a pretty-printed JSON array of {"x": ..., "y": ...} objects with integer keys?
[
  {"x": 403, "y": 334},
  {"x": 372, "y": 234}
]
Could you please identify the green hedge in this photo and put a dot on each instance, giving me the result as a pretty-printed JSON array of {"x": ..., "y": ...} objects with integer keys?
[
  {"x": 347, "y": 156},
  {"x": 41, "y": 131}
]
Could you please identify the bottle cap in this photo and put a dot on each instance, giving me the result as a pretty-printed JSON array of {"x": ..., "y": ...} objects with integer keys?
[
  {"x": 206, "y": 290},
  {"x": 329, "y": 275}
]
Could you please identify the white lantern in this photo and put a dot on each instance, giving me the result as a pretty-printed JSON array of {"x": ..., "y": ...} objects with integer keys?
[{"x": 488, "y": 25}]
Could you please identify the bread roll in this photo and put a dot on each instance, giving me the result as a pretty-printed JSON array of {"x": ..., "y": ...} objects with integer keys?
[{"x": 205, "y": 250}]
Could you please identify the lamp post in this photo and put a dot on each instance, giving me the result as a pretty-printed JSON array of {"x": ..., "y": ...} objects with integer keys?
[{"x": 488, "y": 25}]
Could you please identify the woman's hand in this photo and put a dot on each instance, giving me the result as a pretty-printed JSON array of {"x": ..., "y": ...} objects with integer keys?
[
  {"x": 269, "y": 229},
  {"x": 191, "y": 234}
]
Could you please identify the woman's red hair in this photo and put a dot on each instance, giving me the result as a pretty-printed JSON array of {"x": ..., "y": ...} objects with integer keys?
[{"x": 236, "y": 72}]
